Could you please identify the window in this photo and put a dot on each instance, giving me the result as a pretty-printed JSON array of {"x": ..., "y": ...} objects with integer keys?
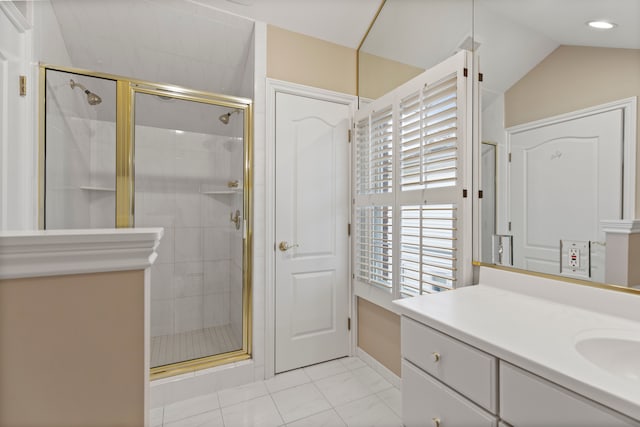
[{"x": 409, "y": 212}]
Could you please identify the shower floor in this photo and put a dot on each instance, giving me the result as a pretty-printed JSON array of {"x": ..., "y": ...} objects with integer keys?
[{"x": 167, "y": 349}]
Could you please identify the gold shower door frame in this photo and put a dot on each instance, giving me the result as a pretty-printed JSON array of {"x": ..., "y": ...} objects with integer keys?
[{"x": 126, "y": 89}]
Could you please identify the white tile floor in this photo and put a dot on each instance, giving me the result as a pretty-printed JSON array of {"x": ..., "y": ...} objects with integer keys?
[{"x": 343, "y": 392}]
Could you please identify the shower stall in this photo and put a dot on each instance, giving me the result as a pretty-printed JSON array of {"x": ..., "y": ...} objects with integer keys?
[{"x": 118, "y": 152}]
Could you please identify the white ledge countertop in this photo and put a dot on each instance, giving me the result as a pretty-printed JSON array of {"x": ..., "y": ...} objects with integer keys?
[
  {"x": 58, "y": 252},
  {"x": 536, "y": 334}
]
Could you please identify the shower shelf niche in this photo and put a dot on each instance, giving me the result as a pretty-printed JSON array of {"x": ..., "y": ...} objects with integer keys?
[
  {"x": 92, "y": 188},
  {"x": 223, "y": 191},
  {"x": 232, "y": 187}
]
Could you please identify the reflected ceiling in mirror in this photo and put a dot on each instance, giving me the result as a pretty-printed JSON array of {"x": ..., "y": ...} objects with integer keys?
[
  {"x": 408, "y": 37},
  {"x": 557, "y": 103}
]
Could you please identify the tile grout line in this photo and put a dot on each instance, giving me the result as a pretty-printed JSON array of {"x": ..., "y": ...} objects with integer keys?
[
  {"x": 385, "y": 402},
  {"x": 220, "y": 408},
  {"x": 276, "y": 406}
]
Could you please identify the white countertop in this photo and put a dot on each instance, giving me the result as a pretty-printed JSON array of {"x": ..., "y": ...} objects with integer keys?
[{"x": 537, "y": 334}]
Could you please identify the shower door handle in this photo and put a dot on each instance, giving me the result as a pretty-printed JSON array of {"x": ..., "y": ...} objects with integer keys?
[
  {"x": 284, "y": 246},
  {"x": 236, "y": 219}
]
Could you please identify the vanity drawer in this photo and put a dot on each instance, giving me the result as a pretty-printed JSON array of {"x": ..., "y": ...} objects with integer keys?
[
  {"x": 425, "y": 400},
  {"x": 468, "y": 370},
  {"x": 528, "y": 400}
]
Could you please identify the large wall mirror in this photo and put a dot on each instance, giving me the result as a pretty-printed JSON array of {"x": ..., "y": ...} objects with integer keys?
[
  {"x": 404, "y": 41},
  {"x": 555, "y": 156},
  {"x": 558, "y": 141}
]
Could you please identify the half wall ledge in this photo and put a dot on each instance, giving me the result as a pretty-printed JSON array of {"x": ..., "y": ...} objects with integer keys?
[{"x": 60, "y": 252}]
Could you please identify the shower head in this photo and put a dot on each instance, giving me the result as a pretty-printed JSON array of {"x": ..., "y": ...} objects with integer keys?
[
  {"x": 92, "y": 98},
  {"x": 224, "y": 118}
]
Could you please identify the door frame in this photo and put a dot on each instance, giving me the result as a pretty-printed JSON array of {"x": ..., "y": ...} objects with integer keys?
[
  {"x": 629, "y": 142},
  {"x": 21, "y": 196},
  {"x": 274, "y": 87}
]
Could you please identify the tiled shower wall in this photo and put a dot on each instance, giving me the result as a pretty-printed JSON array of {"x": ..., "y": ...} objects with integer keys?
[
  {"x": 194, "y": 281},
  {"x": 80, "y": 159}
]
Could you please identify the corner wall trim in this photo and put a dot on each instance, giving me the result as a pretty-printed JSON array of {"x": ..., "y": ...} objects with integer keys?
[{"x": 623, "y": 226}]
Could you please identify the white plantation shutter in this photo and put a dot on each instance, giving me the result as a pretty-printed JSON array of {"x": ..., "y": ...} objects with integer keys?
[
  {"x": 362, "y": 157},
  {"x": 374, "y": 155},
  {"x": 411, "y": 158},
  {"x": 374, "y": 247},
  {"x": 428, "y": 249},
  {"x": 429, "y": 136}
]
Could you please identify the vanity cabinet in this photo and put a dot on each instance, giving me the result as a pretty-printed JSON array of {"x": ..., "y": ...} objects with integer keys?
[
  {"x": 528, "y": 400},
  {"x": 446, "y": 382}
]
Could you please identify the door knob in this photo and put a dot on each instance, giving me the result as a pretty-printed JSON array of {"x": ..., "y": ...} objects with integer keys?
[{"x": 284, "y": 246}]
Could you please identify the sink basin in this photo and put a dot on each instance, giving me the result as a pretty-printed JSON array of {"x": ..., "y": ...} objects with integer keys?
[{"x": 615, "y": 351}]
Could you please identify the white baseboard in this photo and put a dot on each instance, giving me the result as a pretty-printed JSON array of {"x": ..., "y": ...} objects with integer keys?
[
  {"x": 166, "y": 391},
  {"x": 379, "y": 367}
]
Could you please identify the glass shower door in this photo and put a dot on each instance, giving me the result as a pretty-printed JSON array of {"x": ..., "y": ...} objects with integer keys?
[
  {"x": 80, "y": 151},
  {"x": 189, "y": 172}
]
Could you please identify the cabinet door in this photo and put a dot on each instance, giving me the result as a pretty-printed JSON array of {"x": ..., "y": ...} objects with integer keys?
[
  {"x": 428, "y": 402},
  {"x": 527, "y": 400},
  {"x": 466, "y": 369}
]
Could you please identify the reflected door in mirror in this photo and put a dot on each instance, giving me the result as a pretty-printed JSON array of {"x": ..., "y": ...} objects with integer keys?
[{"x": 566, "y": 178}]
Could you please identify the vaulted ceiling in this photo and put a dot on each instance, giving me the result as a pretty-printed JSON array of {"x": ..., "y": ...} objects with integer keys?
[
  {"x": 169, "y": 41},
  {"x": 207, "y": 44}
]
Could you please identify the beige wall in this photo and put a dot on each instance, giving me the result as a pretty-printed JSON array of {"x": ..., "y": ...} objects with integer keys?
[
  {"x": 379, "y": 334},
  {"x": 73, "y": 350},
  {"x": 623, "y": 251},
  {"x": 617, "y": 259},
  {"x": 298, "y": 58},
  {"x": 572, "y": 78},
  {"x": 379, "y": 75},
  {"x": 634, "y": 257}
]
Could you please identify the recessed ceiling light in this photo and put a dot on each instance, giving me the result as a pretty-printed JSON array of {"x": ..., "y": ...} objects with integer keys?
[{"x": 601, "y": 25}]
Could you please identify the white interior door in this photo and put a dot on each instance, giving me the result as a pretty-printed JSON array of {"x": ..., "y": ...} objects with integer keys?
[
  {"x": 312, "y": 215},
  {"x": 565, "y": 179}
]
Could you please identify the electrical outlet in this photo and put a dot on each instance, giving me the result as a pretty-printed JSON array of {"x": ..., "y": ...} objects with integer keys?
[{"x": 574, "y": 257}]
